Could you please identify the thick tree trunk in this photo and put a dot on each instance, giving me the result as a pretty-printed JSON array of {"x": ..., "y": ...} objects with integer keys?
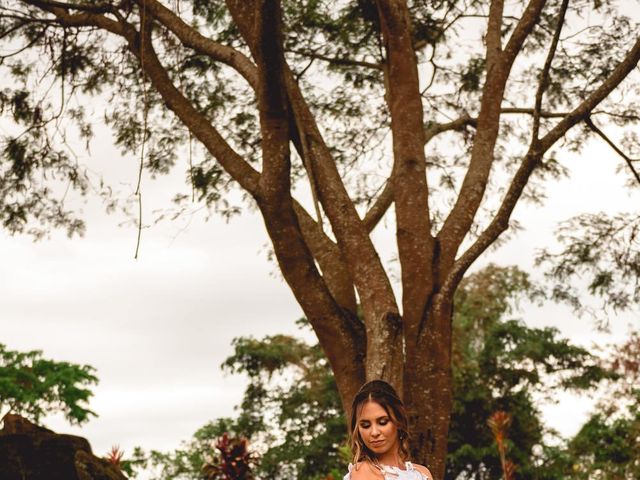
[{"x": 428, "y": 387}]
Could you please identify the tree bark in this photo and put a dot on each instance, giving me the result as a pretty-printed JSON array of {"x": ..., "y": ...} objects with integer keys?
[
  {"x": 381, "y": 316},
  {"x": 330, "y": 322},
  {"x": 428, "y": 386}
]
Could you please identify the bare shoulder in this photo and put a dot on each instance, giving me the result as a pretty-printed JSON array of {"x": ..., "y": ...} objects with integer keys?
[
  {"x": 423, "y": 470},
  {"x": 364, "y": 471}
]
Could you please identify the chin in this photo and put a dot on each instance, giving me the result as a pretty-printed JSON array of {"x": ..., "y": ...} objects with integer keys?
[{"x": 378, "y": 448}]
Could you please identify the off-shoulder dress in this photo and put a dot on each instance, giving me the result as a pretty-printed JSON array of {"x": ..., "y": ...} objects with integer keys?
[{"x": 395, "y": 473}]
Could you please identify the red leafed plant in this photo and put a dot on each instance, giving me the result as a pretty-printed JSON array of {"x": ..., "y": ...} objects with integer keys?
[
  {"x": 115, "y": 455},
  {"x": 499, "y": 423},
  {"x": 233, "y": 461}
]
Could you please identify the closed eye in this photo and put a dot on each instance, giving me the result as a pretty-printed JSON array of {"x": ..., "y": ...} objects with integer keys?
[{"x": 380, "y": 421}]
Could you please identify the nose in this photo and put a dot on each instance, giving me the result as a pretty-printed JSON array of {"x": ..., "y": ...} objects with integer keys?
[{"x": 375, "y": 431}]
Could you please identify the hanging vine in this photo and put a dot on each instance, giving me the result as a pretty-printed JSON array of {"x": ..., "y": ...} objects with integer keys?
[{"x": 145, "y": 29}]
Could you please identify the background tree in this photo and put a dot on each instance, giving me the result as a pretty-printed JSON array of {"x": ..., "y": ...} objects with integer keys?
[
  {"x": 500, "y": 364},
  {"x": 290, "y": 412},
  {"x": 242, "y": 78},
  {"x": 607, "y": 445},
  {"x": 33, "y": 386},
  {"x": 291, "y": 407}
]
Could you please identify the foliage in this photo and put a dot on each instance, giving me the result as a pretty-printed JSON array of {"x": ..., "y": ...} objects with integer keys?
[
  {"x": 499, "y": 423},
  {"x": 607, "y": 445},
  {"x": 500, "y": 365},
  {"x": 602, "y": 250},
  {"x": 33, "y": 386},
  {"x": 340, "y": 44},
  {"x": 115, "y": 456},
  {"x": 482, "y": 301},
  {"x": 291, "y": 405},
  {"x": 186, "y": 462},
  {"x": 232, "y": 462}
]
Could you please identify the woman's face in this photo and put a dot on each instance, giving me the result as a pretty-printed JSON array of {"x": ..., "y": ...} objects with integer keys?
[{"x": 377, "y": 430}]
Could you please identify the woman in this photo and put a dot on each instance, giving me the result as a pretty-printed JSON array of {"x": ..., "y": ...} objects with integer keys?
[{"x": 380, "y": 438}]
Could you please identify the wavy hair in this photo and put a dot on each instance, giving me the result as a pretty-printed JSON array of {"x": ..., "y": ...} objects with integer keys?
[{"x": 384, "y": 395}]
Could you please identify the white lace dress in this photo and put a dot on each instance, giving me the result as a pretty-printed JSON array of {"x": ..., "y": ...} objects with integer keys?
[{"x": 395, "y": 473}]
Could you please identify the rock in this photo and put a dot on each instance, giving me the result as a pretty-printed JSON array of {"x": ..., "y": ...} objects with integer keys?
[{"x": 31, "y": 452}]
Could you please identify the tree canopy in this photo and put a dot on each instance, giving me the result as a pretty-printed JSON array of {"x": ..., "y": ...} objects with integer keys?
[
  {"x": 608, "y": 442},
  {"x": 33, "y": 386},
  {"x": 325, "y": 115}
]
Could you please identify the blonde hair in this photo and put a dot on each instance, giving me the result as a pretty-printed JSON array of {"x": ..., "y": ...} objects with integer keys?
[{"x": 383, "y": 394}]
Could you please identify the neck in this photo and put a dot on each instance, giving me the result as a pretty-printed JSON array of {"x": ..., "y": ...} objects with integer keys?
[{"x": 391, "y": 458}]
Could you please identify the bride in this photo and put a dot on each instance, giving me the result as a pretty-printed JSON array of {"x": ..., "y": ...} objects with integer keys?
[{"x": 379, "y": 437}]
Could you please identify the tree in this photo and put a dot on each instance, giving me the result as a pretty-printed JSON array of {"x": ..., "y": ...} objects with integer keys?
[
  {"x": 607, "y": 444},
  {"x": 241, "y": 78},
  {"x": 290, "y": 412},
  {"x": 185, "y": 463},
  {"x": 33, "y": 386},
  {"x": 501, "y": 365},
  {"x": 291, "y": 406}
]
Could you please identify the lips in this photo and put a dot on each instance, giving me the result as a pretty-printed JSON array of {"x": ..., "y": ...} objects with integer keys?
[{"x": 377, "y": 443}]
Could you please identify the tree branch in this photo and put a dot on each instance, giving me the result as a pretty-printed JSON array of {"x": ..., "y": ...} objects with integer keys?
[
  {"x": 459, "y": 221},
  {"x": 233, "y": 163},
  {"x": 544, "y": 75},
  {"x": 197, "y": 123},
  {"x": 352, "y": 237},
  {"x": 335, "y": 327},
  {"x": 494, "y": 32},
  {"x": 435, "y": 129},
  {"x": 98, "y": 9},
  {"x": 330, "y": 260},
  {"x": 550, "y": 114},
  {"x": 498, "y": 225},
  {"x": 626, "y": 157},
  {"x": 536, "y": 151},
  {"x": 275, "y": 182},
  {"x": 583, "y": 110},
  {"x": 379, "y": 207},
  {"x": 416, "y": 244},
  {"x": 321, "y": 246},
  {"x": 467, "y": 120},
  {"x": 191, "y": 38},
  {"x": 337, "y": 61},
  {"x": 374, "y": 289},
  {"x": 84, "y": 19},
  {"x": 531, "y": 111},
  {"x": 523, "y": 28}
]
